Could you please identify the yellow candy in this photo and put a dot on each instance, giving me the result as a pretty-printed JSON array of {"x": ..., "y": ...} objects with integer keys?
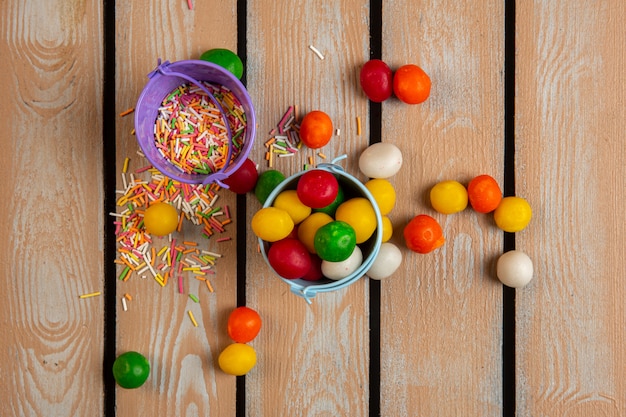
[
  {"x": 308, "y": 228},
  {"x": 237, "y": 359},
  {"x": 387, "y": 229},
  {"x": 160, "y": 219},
  {"x": 512, "y": 214},
  {"x": 288, "y": 200},
  {"x": 358, "y": 213},
  {"x": 384, "y": 194},
  {"x": 448, "y": 197},
  {"x": 272, "y": 224}
]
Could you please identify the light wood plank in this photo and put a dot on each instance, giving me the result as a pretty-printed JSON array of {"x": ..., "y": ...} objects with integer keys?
[
  {"x": 313, "y": 360},
  {"x": 570, "y": 166},
  {"x": 441, "y": 327},
  {"x": 185, "y": 379},
  {"x": 51, "y": 215}
]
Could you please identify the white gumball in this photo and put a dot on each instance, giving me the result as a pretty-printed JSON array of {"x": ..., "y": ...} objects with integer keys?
[
  {"x": 380, "y": 160},
  {"x": 386, "y": 263},
  {"x": 339, "y": 270},
  {"x": 515, "y": 269}
]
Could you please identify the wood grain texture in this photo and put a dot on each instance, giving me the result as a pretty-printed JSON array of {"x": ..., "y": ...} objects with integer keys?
[
  {"x": 51, "y": 215},
  {"x": 313, "y": 360},
  {"x": 185, "y": 379},
  {"x": 569, "y": 165},
  {"x": 441, "y": 326}
]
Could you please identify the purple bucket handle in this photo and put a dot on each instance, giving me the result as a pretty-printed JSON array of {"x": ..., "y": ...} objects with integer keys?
[{"x": 143, "y": 116}]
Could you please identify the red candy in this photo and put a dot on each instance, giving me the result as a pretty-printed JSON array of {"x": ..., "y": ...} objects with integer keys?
[
  {"x": 289, "y": 258},
  {"x": 244, "y": 178},
  {"x": 376, "y": 80},
  {"x": 317, "y": 188}
]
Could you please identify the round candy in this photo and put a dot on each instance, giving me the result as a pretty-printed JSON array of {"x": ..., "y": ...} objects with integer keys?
[
  {"x": 244, "y": 324},
  {"x": 160, "y": 219},
  {"x": 384, "y": 194},
  {"x": 267, "y": 181},
  {"x": 376, "y": 80},
  {"x": 244, "y": 178},
  {"x": 289, "y": 258},
  {"x": 315, "y": 273},
  {"x": 237, "y": 359},
  {"x": 411, "y": 84},
  {"x": 359, "y": 213},
  {"x": 386, "y": 263},
  {"x": 515, "y": 269},
  {"x": 335, "y": 241},
  {"x": 387, "y": 228},
  {"x": 288, "y": 200},
  {"x": 484, "y": 193},
  {"x": 308, "y": 228},
  {"x": 271, "y": 224},
  {"x": 332, "y": 207},
  {"x": 341, "y": 269},
  {"x": 513, "y": 214},
  {"x": 131, "y": 370},
  {"x": 226, "y": 59},
  {"x": 380, "y": 160},
  {"x": 317, "y": 188},
  {"x": 423, "y": 234},
  {"x": 448, "y": 197},
  {"x": 316, "y": 129}
]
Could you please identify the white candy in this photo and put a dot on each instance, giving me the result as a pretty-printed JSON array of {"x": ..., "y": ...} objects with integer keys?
[
  {"x": 386, "y": 263},
  {"x": 380, "y": 160},
  {"x": 339, "y": 270},
  {"x": 515, "y": 269}
]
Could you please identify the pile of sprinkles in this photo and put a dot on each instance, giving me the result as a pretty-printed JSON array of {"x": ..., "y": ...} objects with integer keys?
[
  {"x": 168, "y": 258},
  {"x": 190, "y": 131}
]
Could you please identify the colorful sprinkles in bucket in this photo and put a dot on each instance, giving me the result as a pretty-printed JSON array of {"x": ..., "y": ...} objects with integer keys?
[{"x": 190, "y": 132}]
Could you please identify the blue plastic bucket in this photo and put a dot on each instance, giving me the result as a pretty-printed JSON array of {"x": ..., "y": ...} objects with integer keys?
[{"x": 352, "y": 188}]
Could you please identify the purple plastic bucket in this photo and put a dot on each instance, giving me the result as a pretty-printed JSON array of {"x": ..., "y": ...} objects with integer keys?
[{"x": 162, "y": 81}]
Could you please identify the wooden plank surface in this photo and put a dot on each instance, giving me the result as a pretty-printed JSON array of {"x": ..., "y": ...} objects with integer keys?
[
  {"x": 441, "y": 327},
  {"x": 441, "y": 315},
  {"x": 569, "y": 165},
  {"x": 313, "y": 359},
  {"x": 51, "y": 214},
  {"x": 185, "y": 379}
]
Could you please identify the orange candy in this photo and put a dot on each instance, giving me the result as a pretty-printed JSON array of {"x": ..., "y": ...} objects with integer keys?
[
  {"x": 423, "y": 234},
  {"x": 316, "y": 129},
  {"x": 484, "y": 193},
  {"x": 411, "y": 84}
]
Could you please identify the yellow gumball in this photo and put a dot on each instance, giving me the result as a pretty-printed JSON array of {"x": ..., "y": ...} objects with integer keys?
[
  {"x": 308, "y": 228},
  {"x": 237, "y": 359},
  {"x": 448, "y": 197},
  {"x": 288, "y": 200},
  {"x": 359, "y": 213},
  {"x": 384, "y": 194},
  {"x": 387, "y": 229},
  {"x": 272, "y": 224},
  {"x": 160, "y": 219},
  {"x": 512, "y": 214}
]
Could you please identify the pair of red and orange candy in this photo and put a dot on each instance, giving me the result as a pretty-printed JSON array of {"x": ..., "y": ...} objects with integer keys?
[{"x": 409, "y": 83}]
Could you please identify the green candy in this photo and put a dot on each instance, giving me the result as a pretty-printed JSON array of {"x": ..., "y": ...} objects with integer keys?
[
  {"x": 225, "y": 58},
  {"x": 335, "y": 241},
  {"x": 266, "y": 183}
]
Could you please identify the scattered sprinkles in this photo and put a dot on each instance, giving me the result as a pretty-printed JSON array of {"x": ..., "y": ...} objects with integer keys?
[
  {"x": 316, "y": 52},
  {"x": 192, "y": 318},
  {"x": 284, "y": 139},
  {"x": 190, "y": 132},
  {"x": 91, "y": 294},
  {"x": 166, "y": 258}
]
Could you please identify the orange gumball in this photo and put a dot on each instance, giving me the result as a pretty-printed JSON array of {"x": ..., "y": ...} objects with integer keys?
[{"x": 316, "y": 129}]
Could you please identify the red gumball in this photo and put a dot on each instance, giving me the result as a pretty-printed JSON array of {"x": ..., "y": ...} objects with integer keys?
[
  {"x": 289, "y": 258},
  {"x": 244, "y": 178},
  {"x": 376, "y": 80},
  {"x": 315, "y": 273},
  {"x": 317, "y": 188}
]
